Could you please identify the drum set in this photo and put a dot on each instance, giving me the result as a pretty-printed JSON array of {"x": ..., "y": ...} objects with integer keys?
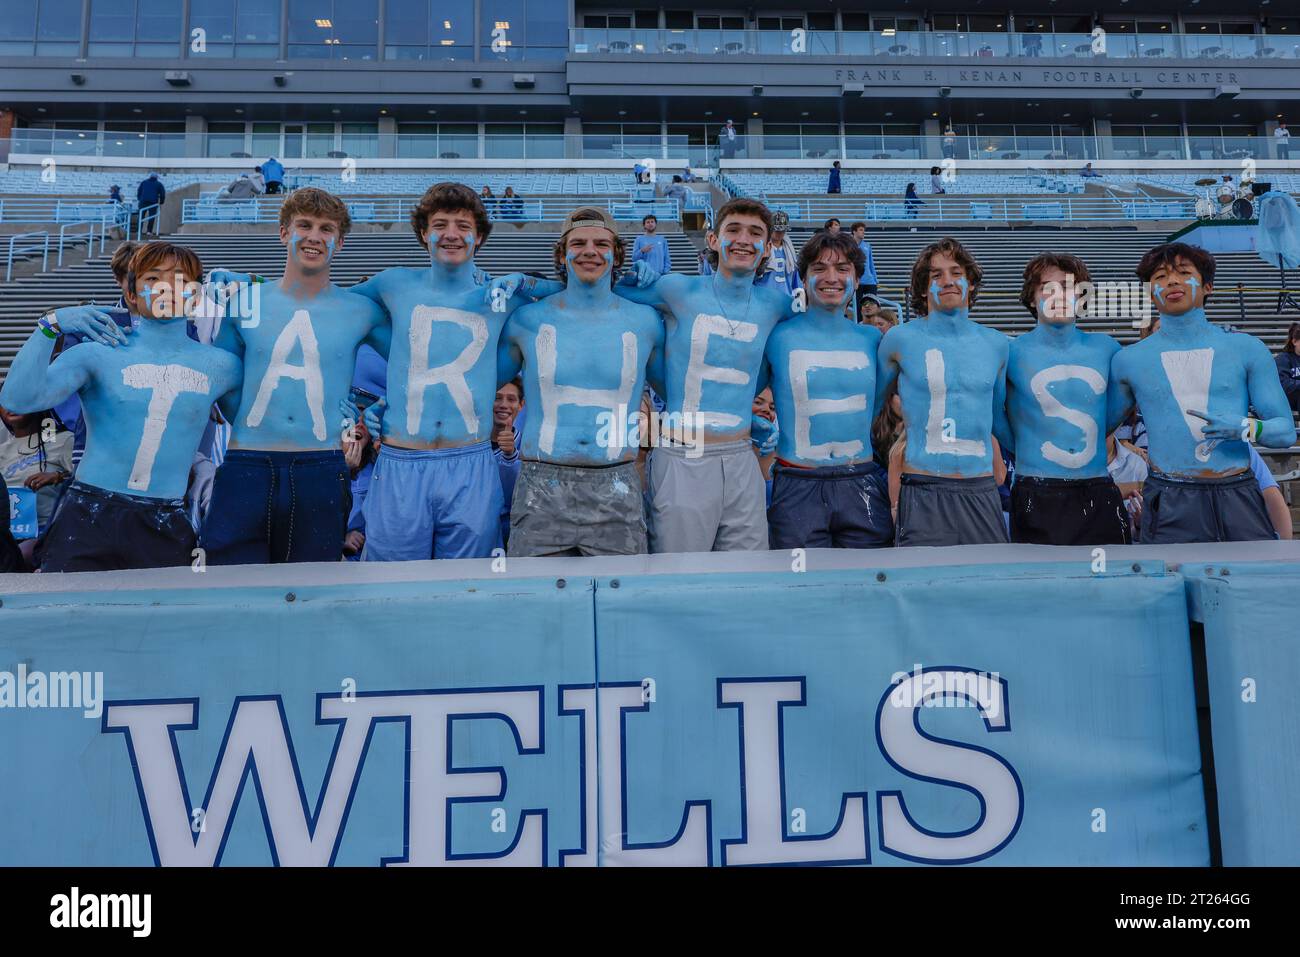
[{"x": 1228, "y": 202}]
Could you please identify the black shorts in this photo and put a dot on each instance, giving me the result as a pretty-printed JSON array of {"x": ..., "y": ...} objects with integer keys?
[
  {"x": 95, "y": 530},
  {"x": 1178, "y": 511},
  {"x": 843, "y": 506},
  {"x": 937, "y": 510},
  {"x": 1048, "y": 511}
]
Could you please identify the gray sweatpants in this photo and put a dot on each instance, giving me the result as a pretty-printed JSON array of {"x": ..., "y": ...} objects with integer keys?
[
  {"x": 935, "y": 510},
  {"x": 714, "y": 502},
  {"x": 570, "y": 510},
  {"x": 1177, "y": 511}
]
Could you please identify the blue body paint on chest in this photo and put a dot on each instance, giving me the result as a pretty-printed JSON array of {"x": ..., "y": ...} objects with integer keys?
[
  {"x": 713, "y": 351},
  {"x": 1189, "y": 364},
  {"x": 1057, "y": 378},
  {"x": 298, "y": 365},
  {"x": 146, "y": 405},
  {"x": 443, "y": 360},
  {"x": 823, "y": 383},
  {"x": 584, "y": 355},
  {"x": 951, "y": 374}
]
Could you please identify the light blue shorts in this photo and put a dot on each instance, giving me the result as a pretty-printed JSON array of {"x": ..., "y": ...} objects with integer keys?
[{"x": 435, "y": 503}]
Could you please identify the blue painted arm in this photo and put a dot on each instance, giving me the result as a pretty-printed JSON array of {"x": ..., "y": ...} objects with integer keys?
[
  {"x": 510, "y": 359},
  {"x": 1119, "y": 396},
  {"x": 1269, "y": 400},
  {"x": 1001, "y": 423},
  {"x": 886, "y": 371},
  {"x": 656, "y": 370},
  {"x": 35, "y": 384}
]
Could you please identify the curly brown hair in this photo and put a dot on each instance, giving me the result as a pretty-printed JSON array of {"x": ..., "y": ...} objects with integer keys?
[
  {"x": 919, "y": 290},
  {"x": 1034, "y": 269},
  {"x": 310, "y": 201},
  {"x": 449, "y": 197}
]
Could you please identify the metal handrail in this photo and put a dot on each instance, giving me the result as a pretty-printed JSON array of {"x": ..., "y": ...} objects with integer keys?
[
  {"x": 398, "y": 209},
  {"x": 44, "y": 247},
  {"x": 139, "y": 223},
  {"x": 90, "y": 238}
]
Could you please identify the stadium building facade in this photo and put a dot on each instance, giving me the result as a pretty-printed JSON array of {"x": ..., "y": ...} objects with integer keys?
[{"x": 539, "y": 80}]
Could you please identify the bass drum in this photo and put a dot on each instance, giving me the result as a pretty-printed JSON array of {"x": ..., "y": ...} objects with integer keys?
[
  {"x": 1205, "y": 208},
  {"x": 1243, "y": 209}
]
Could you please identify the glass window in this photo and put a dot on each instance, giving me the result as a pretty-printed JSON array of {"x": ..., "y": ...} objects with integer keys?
[
  {"x": 241, "y": 28},
  {"x": 18, "y": 27},
  {"x": 502, "y": 29},
  {"x": 320, "y": 140},
  {"x": 647, "y": 19},
  {"x": 225, "y": 139},
  {"x": 1286, "y": 25},
  {"x": 679, "y": 20},
  {"x": 360, "y": 139},
  {"x": 338, "y": 29},
  {"x": 112, "y": 20},
  {"x": 150, "y": 28},
  {"x": 266, "y": 140}
]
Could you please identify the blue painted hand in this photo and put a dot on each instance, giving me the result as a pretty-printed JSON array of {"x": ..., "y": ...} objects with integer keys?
[
  {"x": 508, "y": 285},
  {"x": 764, "y": 433},
  {"x": 641, "y": 274},
  {"x": 92, "y": 322}
]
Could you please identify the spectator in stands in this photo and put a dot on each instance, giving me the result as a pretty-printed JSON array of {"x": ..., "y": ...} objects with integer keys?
[
  {"x": 728, "y": 141},
  {"x": 936, "y": 181},
  {"x": 1279, "y": 513},
  {"x": 911, "y": 202},
  {"x": 489, "y": 202},
  {"x": 35, "y": 455},
  {"x": 512, "y": 205},
  {"x": 827, "y": 491},
  {"x": 258, "y": 179},
  {"x": 869, "y": 278},
  {"x": 831, "y": 226},
  {"x": 274, "y": 173},
  {"x": 115, "y": 194},
  {"x": 833, "y": 183},
  {"x": 1088, "y": 172},
  {"x": 146, "y": 406},
  {"x": 1200, "y": 488},
  {"x": 1282, "y": 139},
  {"x": 505, "y": 444},
  {"x": 638, "y": 169},
  {"x": 677, "y": 190},
  {"x": 150, "y": 196},
  {"x": 1032, "y": 44},
  {"x": 1128, "y": 470},
  {"x": 764, "y": 434},
  {"x": 241, "y": 188},
  {"x": 1288, "y": 366},
  {"x": 651, "y": 247},
  {"x": 782, "y": 263},
  {"x": 299, "y": 361},
  {"x": 949, "y": 143},
  {"x": 873, "y": 311},
  {"x": 950, "y": 481}
]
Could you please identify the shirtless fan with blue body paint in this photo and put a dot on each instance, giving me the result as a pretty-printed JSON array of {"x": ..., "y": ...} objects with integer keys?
[
  {"x": 1205, "y": 395},
  {"x": 1057, "y": 381},
  {"x": 710, "y": 495},
  {"x": 951, "y": 375},
  {"x": 146, "y": 396},
  {"x": 435, "y": 491},
  {"x": 827, "y": 491},
  {"x": 585, "y": 354},
  {"x": 282, "y": 492}
]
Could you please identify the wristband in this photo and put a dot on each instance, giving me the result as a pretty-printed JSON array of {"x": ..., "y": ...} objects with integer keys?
[
  {"x": 49, "y": 326},
  {"x": 1259, "y": 429}
]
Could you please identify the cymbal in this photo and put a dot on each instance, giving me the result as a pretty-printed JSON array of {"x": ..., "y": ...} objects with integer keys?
[{"x": 1208, "y": 181}]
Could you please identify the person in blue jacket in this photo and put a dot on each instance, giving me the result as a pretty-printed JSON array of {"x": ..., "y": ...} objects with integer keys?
[
  {"x": 833, "y": 183},
  {"x": 273, "y": 173},
  {"x": 150, "y": 193}
]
